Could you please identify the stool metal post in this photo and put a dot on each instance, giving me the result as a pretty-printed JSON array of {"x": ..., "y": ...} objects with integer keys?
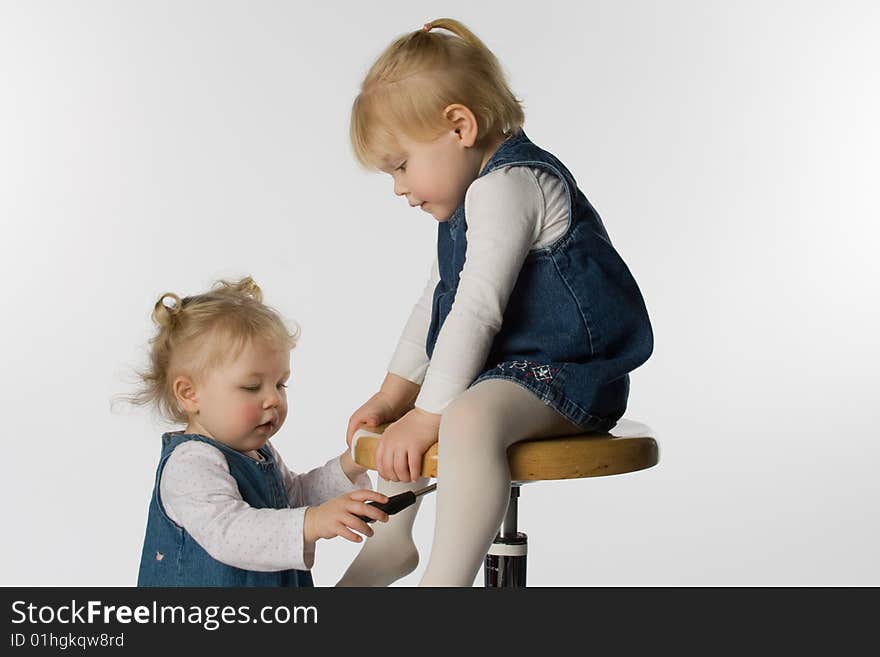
[{"x": 505, "y": 565}]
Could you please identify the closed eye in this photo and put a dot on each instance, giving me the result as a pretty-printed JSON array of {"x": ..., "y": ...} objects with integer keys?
[{"x": 256, "y": 388}]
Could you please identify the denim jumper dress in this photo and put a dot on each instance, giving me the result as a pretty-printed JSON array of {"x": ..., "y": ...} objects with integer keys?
[
  {"x": 575, "y": 324},
  {"x": 171, "y": 557}
]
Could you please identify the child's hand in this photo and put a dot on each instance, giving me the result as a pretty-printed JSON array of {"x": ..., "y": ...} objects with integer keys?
[
  {"x": 395, "y": 397},
  {"x": 399, "y": 454},
  {"x": 377, "y": 410},
  {"x": 337, "y": 517}
]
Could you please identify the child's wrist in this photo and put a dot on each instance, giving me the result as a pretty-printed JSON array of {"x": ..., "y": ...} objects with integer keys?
[
  {"x": 400, "y": 393},
  {"x": 309, "y": 537},
  {"x": 428, "y": 416},
  {"x": 350, "y": 467}
]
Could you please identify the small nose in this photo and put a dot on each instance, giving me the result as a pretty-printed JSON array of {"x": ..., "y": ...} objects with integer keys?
[
  {"x": 272, "y": 399},
  {"x": 399, "y": 188}
]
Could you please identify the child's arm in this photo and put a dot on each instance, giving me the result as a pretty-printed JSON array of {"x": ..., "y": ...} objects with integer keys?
[
  {"x": 199, "y": 494},
  {"x": 351, "y": 469},
  {"x": 338, "y": 476},
  {"x": 402, "y": 383},
  {"x": 410, "y": 361}
]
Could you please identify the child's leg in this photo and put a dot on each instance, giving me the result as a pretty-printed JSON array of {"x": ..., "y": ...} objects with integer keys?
[
  {"x": 390, "y": 553},
  {"x": 473, "y": 478}
]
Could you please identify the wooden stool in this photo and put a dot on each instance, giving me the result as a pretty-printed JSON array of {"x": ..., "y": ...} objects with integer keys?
[{"x": 627, "y": 448}]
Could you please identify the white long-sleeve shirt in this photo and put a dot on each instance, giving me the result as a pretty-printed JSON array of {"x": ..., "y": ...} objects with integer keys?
[
  {"x": 199, "y": 494},
  {"x": 510, "y": 212}
]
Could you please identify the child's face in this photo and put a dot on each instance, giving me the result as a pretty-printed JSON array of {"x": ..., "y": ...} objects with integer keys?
[
  {"x": 434, "y": 174},
  {"x": 241, "y": 403}
]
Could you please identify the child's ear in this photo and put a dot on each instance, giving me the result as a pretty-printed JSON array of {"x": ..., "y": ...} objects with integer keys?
[
  {"x": 463, "y": 122},
  {"x": 187, "y": 396}
]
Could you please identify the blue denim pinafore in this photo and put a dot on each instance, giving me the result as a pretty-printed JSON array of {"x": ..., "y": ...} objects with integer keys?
[
  {"x": 171, "y": 557},
  {"x": 575, "y": 324}
]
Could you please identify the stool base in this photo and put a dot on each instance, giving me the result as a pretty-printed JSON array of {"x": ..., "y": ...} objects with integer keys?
[{"x": 505, "y": 565}]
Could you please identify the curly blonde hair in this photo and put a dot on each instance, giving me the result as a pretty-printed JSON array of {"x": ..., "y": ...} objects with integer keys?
[
  {"x": 417, "y": 77},
  {"x": 197, "y": 333}
]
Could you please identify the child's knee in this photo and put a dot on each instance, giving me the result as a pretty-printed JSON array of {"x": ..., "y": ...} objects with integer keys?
[{"x": 467, "y": 424}]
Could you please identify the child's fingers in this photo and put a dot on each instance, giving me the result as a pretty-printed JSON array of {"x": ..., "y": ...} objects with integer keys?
[
  {"x": 378, "y": 457},
  {"x": 354, "y": 424},
  {"x": 353, "y": 522},
  {"x": 352, "y": 427},
  {"x": 358, "y": 418},
  {"x": 390, "y": 457},
  {"x": 369, "y": 511},
  {"x": 385, "y": 463},
  {"x": 415, "y": 464},
  {"x": 346, "y": 533},
  {"x": 401, "y": 467},
  {"x": 365, "y": 494}
]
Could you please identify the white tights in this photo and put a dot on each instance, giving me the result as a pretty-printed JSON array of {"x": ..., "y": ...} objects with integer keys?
[{"x": 473, "y": 488}]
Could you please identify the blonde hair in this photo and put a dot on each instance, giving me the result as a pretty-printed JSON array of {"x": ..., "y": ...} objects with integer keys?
[
  {"x": 199, "y": 332},
  {"x": 417, "y": 77}
]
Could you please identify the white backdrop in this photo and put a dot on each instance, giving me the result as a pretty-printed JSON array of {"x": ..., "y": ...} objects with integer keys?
[{"x": 731, "y": 149}]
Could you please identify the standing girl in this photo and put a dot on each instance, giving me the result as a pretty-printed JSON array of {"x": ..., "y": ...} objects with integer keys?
[
  {"x": 225, "y": 510},
  {"x": 530, "y": 322}
]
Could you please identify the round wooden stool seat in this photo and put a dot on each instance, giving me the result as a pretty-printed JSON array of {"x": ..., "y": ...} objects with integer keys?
[{"x": 627, "y": 448}]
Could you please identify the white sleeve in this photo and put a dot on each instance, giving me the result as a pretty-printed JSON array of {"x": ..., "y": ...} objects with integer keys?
[
  {"x": 320, "y": 484},
  {"x": 504, "y": 212},
  {"x": 199, "y": 494},
  {"x": 410, "y": 360}
]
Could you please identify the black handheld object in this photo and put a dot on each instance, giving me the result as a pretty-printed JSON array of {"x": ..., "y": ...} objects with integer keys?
[{"x": 398, "y": 502}]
